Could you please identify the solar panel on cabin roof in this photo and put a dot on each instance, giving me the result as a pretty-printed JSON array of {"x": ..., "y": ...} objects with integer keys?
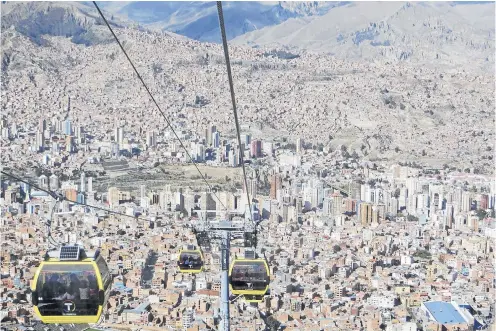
[{"x": 69, "y": 253}]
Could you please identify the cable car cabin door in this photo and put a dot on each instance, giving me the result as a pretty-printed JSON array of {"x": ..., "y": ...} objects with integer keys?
[
  {"x": 67, "y": 292},
  {"x": 190, "y": 261},
  {"x": 106, "y": 278},
  {"x": 249, "y": 277}
]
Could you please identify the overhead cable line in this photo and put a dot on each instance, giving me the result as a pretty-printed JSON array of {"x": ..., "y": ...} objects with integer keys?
[
  {"x": 233, "y": 99},
  {"x": 156, "y": 104},
  {"x": 60, "y": 197}
]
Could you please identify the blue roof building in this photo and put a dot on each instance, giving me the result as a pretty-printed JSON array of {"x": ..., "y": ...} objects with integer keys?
[
  {"x": 446, "y": 313},
  {"x": 443, "y": 312}
]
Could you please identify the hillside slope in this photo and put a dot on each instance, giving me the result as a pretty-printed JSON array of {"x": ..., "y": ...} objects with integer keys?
[{"x": 435, "y": 32}]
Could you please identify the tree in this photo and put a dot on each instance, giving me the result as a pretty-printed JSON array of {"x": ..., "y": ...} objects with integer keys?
[
  {"x": 272, "y": 323},
  {"x": 481, "y": 213},
  {"x": 412, "y": 218}
]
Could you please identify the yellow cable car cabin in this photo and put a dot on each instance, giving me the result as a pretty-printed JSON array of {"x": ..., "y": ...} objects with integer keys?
[
  {"x": 71, "y": 286},
  {"x": 249, "y": 277},
  {"x": 190, "y": 260},
  {"x": 253, "y": 298}
]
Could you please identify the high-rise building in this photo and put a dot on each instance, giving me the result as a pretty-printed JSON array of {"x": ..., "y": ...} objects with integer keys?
[
  {"x": 393, "y": 206},
  {"x": 208, "y": 137},
  {"x": 466, "y": 201},
  {"x": 337, "y": 203},
  {"x": 67, "y": 127},
  {"x": 83, "y": 182},
  {"x": 365, "y": 213},
  {"x": 90, "y": 184},
  {"x": 5, "y": 133},
  {"x": 449, "y": 215},
  {"x": 200, "y": 153},
  {"x": 69, "y": 141},
  {"x": 119, "y": 135},
  {"x": 151, "y": 139},
  {"x": 216, "y": 139},
  {"x": 42, "y": 125},
  {"x": 113, "y": 196},
  {"x": 256, "y": 148},
  {"x": 79, "y": 133},
  {"x": 54, "y": 182},
  {"x": 40, "y": 141},
  {"x": 43, "y": 181},
  {"x": 275, "y": 185},
  {"x": 327, "y": 206},
  {"x": 71, "y": 194},
  {"x": 252, "y": 188},
  {"x": 246, "y": 139},
  {"x": 233, "y": 160},
  {"x": 299, "y": 145}
]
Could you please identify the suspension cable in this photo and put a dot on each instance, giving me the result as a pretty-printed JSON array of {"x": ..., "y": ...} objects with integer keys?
[
  {"x": 156, "y": 104},
  {"x": 60, "y": 197},
  {"x": 233, "y": 99}
]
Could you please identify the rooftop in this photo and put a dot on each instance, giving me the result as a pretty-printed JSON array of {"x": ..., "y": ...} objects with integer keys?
[{"x": 444, "y": 312}]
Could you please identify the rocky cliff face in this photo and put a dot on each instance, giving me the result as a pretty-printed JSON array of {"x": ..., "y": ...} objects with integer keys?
[{"x": 76, "y": 21}]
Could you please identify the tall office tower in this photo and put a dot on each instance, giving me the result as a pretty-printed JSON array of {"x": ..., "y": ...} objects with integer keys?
[
  {"x": 256, "y": 148},
  {"x": 449, "y": 215},
  {"x": 327, "y": 206},
  {"x": 43, "y": 181},
  {"x": 299, "y": 145},
  {"x": 337, "y": 204},
  {"x": 275, "y": 185},
  {"x": 151, "y": 139},
  {"x": 378, "y": 196},
  {"x": 216, "y": 139},
  {"x": 252, "y": 187},
  {"x": 69, "y": 141},
  {"x": 365, "y": 213},
  {"x": 200, "y": 153},
  {"x": 40, "y": 141},
  {"x": 363, "y": 192},
  {"x": 113, "y": 196},
  {"x": 90, "y": 184},
  {"x": 42, "y": 125},
  {"x": 233, "y": 160},
  {"x": 457, "y": 196},
  {"x": 54, "y": 182},
  {"x": 393, "y": 206},
  {"x": 411, "y": 184},
  {"x": 79, "y": 133},
  {"x": 142, "y": 191},
  {"x": 83, "y": 182},
  {"x": 208, "y": 137},
  {"x": 67, "y": 127},
  {"x": 13, "y": 130},
  {"x": 412, "y": 204},
  {"x": 466, "y": 201},
  {"x": 246, "y": 139},
  {"x": 319, "y": 186},
  {"x": 119, "y": 135}
]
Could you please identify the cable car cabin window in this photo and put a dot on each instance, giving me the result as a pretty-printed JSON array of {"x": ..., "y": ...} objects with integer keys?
[
  {"x": 104, "y": 272},
  {"x": 190, "y": 260},
  {"x": 249, "y": 276},
  {"x": 67, "y": 289}
]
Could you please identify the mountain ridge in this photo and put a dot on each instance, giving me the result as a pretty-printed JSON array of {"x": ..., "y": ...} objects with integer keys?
[{"x": 393, "y": 31}]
